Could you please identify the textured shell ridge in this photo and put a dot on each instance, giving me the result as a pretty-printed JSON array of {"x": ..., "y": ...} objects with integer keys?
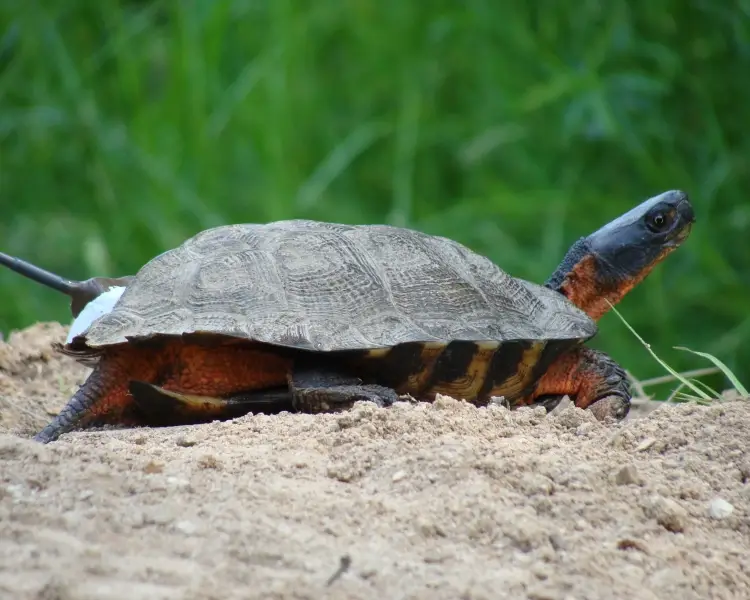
[{"x": 327, "y": 286}]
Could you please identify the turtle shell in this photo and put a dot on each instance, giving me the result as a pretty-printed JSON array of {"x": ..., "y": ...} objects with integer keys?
[{"x": 329, "y": 287}]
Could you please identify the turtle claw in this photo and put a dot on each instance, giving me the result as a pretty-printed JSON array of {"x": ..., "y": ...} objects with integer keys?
[
  {"x": 382, "y": 396},
  {"x": 321, "y": 390},
  {"x": 342, "y": 397}
]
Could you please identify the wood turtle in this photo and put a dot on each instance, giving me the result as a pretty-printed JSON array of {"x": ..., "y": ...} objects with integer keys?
[{"x": 312, "y": 316}]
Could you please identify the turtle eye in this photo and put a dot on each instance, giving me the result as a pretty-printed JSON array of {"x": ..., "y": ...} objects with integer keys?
[{"x": 658, "y": 221}]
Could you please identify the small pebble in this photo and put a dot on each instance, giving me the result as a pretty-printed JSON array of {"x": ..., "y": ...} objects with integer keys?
[
  {"x": 564, "y": 404},
  {"x": 209, "y": 461},
  {"x": 632, "y": 544},
  {"x": 186, "y": 527},
  {"x": 178, "y": 482},
  {"x": 719, "y": 508},
  {"x": 667, "y": 513},
  {"x": 153, "y": 467},
  {"x": 745, "y": 471},
  {"x": 645, "y": 445},
  {"x": 628, "y": 475},
  {"x": 557, "y": 541},
  {"x": 499, "y": 401},
  {"x": 398, "y": 476}
]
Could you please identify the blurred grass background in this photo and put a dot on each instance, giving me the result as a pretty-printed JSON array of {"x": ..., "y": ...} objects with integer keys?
[{"x": 126, "y": 127}]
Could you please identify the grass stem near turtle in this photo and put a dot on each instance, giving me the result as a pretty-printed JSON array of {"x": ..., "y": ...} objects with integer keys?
[{"x": 315, "y": 316}]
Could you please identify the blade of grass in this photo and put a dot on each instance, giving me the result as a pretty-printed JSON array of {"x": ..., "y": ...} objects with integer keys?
[
  {"x": 687, "y": 374},
  {"x": 724, "y": 369},
  {"x": 709, "y": 390},
  {"x": 674, "y": 393},
  {"x": 647, "y": 346}
]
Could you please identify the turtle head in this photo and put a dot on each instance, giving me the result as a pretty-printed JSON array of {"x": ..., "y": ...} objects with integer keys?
[{"x": 598, "y": 270}]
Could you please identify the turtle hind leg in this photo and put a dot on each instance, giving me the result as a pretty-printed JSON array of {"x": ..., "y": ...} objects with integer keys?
[
  {"x": 163, "y": 407},
  {"x": 593, "y": 379},
  {"x": 310, "y": 390},
  {"x": 101, "y": 400},
  {"x": 316, "y": 390}
]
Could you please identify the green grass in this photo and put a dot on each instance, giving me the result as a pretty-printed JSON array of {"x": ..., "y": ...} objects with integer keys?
[
  {"x": 702, "y": 393},
  {"x": 127, "y": 127}
]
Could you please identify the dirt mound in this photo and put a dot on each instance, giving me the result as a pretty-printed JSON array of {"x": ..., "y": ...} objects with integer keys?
[{"x": 415, "y": 501}]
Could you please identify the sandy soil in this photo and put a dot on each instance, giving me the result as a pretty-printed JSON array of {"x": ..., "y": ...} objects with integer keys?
[{"x": 415, "y": 501}]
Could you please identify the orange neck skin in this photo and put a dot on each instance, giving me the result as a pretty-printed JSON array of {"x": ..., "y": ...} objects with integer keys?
[{"x": 585, "y": 287}]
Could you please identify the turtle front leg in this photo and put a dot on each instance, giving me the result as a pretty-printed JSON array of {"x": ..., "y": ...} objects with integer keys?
[
  {"x": 591, "y": 378},
  {"x": 316, "y": 390}
]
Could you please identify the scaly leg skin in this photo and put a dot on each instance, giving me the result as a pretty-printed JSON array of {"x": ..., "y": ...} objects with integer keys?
[
  {"x": 591, "y": 378},
  {"x": 164, "y": 407},
  {"x": 176, "y": 366},
  {"x": 102, "y": 399},
  {"x": 319, "y": 390}
]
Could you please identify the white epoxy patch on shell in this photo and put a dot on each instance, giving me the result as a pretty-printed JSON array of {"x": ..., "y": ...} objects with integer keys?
[{"x": 101, "y": 305}]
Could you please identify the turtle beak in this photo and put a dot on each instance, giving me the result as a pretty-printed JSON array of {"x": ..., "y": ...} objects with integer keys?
[
  {"x": 643, "y": 236},
  {"x": 686, "y": 216},
  {"x": 681, "y": 213}
]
